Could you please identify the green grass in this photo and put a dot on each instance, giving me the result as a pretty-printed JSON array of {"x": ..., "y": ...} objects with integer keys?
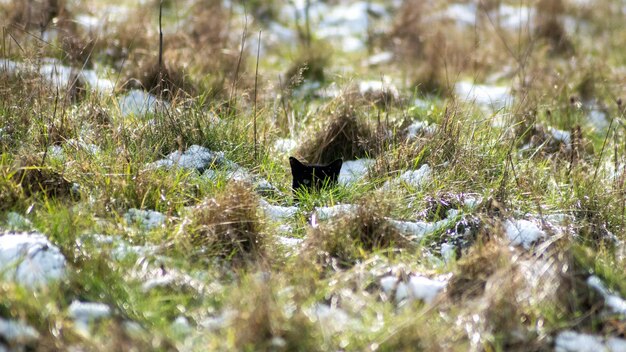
[{"x": 239, "y": 287}]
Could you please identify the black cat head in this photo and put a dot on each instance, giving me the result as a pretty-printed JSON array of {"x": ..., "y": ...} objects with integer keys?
[{"x": 312, "y": 176}]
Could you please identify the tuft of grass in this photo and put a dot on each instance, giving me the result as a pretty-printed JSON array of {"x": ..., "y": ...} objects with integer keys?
[
  {"x": 341, "y": 243},
  {"x": 345, "y": 134},
  {"x": 227, "y": 226}
]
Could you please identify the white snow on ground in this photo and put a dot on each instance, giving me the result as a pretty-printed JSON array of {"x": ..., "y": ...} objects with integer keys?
[
  {"x": 420, "y": 128},
  {"x": 137, "y": 102},
  {"x": 285, "y": 145},
  {"x": 181, "y": 325},
  {"x": 515, "y": 17},
  {"x": 388, "y": 283},
  {"x": 16, "y": 332},
  {"x": 333, "y": 319},
  {"x": 195, "y": 157},
  {"x": 347, "y": 24},
  {"x": 613, "y": 302},
  {"x": 59, "y": 75},
  {"x": 290, "y": 242},
  {"x": 119, "y": 247},
  {"x": 30, "y": 259},
  {"x": 379, "y": 87},
  {"x": 523, "y": 232},
  {"x": 561, "y": 136},
  {"x": 85, "y": 312},
  {"x": 16, "y": 221},
  {"x": 412, "y": 178},
  {"x": 505, "y": 16},
  {"x": 418, "y": 229},
  {"x": 448, "y": 252},
  {"x": 354, "y": 170},
  {"x": 379, "y": 59},
  {"x": 571, "y": 341},
  {"x": 462, "y": 14},
  {"x": 218, "y": 322},
  {"x": 417, "y": 288},
  {"x": 598, "y": 119},
  {"x": 325, "y": 213},
  {"x": 146, "y": 219},
  {"x": 488, "y": 96},
  {"x": 277, "y": 212}
]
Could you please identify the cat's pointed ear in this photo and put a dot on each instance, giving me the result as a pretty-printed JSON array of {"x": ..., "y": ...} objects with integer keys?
[
  {"x": 336, "y": 165},
  {"x": 295, "y": 163}
]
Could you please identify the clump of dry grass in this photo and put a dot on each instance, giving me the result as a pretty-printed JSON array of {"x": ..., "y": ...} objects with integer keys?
[
  {"x": 262, "y": 324},
  {"x": 167, "y": 81},
  {"x": 343, "y": 242},
  {"x": 228, "y": 226},
  {"x": 36, "y": 178},
  {"x": 309, "y": 64},
  {"x": 38, "y": 14},
  {"x": 344, "y": 134},
  {"x": 549, "y": 26},
  {"x": 435, "y": 52},
  {"x": 474, "y": 270}
]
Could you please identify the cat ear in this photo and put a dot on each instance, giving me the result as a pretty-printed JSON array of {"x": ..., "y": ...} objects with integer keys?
[
  {"x": 336, "y": 165},
  {"x": 295, "y": 163}
]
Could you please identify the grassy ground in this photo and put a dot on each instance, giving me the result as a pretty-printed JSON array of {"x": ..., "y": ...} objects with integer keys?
[{"x": 221, "y": 273}]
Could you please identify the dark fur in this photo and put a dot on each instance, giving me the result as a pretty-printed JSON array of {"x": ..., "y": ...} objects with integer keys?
[{"x": 313, "y": 176}]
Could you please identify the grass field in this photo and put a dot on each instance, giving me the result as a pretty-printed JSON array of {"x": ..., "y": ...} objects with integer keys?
[{"x": 145, "y": 190}]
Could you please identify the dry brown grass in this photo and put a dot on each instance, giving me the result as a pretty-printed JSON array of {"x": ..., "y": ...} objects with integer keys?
[
  {"x": 341, "y": 243},
  {"x": 228, "y": 226},
  {"x": 36, "y": 178},
  {"x": 344, "y": 134}
]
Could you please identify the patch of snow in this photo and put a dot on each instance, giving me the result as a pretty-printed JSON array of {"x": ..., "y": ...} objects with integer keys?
[
  {"x": 471, "y": 202},
  {"x": 418, "y": 229},
  {"x": 412, "y": 178},
  {"x": 15, "y": 221},
  {"x": 181, "y": 325},
  {"x": 85, "y": 312},
  {"x": 146, "y": 219},
  {"x": 489, "y": 96},
  {"x": 379, "y": 87},
  {"x": 598, "y": 119},
  {"x": 30, "y": 259},
  {"x": 290, "y": 241},
  {"x": 59, "y": 75},
  {"x": 325, "y": 213},
  {"x": 354, "y": 170},
  {"x": 462, "y": 14},
  {"x": 379, "y": 59},
  {"x": 560, "y": 135},
  {"x": 420, "y": 128},
  {"x": 285, "y": 145},
  {"x": 448, "y": 252},
  {"x": 388, "y": 283},
  {"x": 16, "y": 332},
  {"x": 277, "y": 212},
  {"x": 571, "y": 341},
  {"x": 424, "y": 288},
  {"x": 119, "y": 247},
  {"x": 523, "y": 232},
  {"x": 137, "y": 102},
  {"x": 331, "y": 318},
  {"x": 158, "y": 277},
  {"x": 515, "y": 17},
  {"x": 614, "y": 302},
  {"x": 195, "y": 158},
  {"x": 218, "y": 322}
]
